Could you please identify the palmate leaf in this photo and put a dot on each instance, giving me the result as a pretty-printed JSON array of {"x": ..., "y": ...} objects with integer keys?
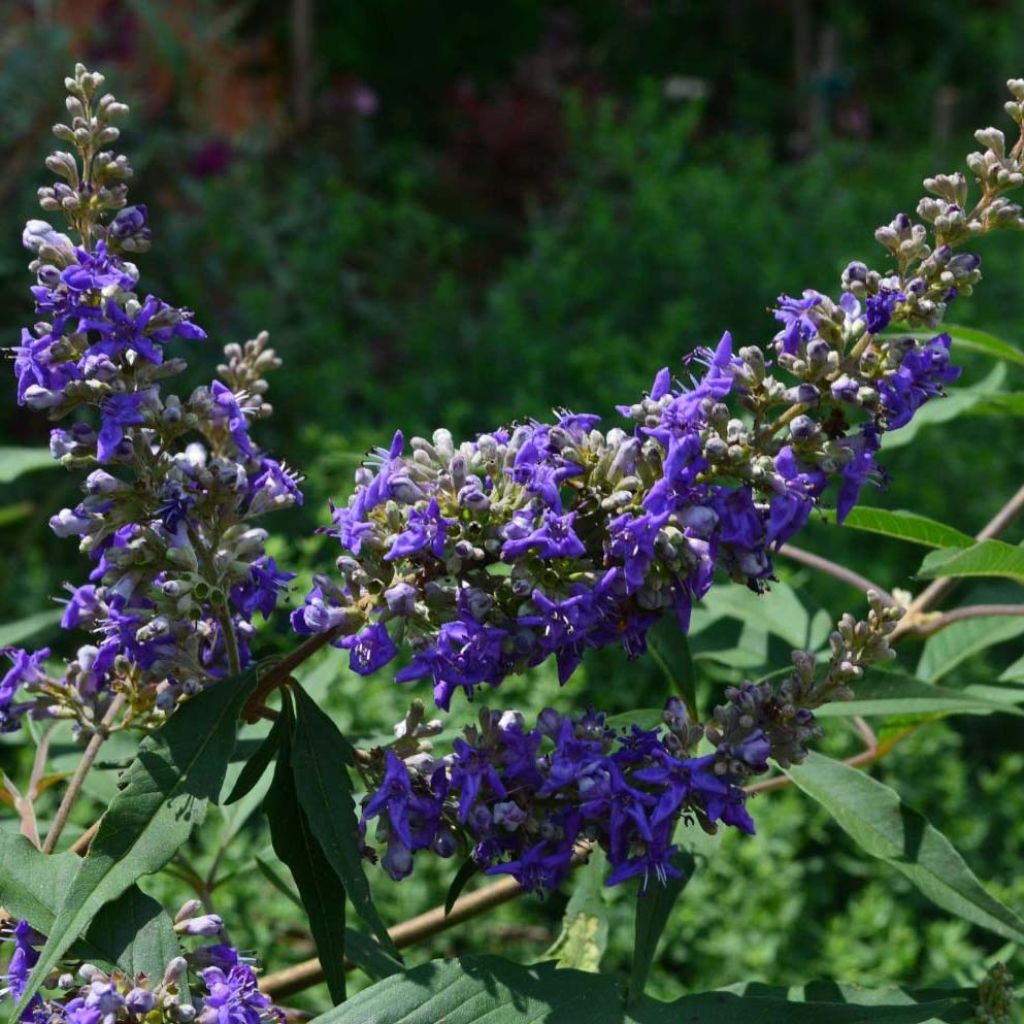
[
  {"x": 163, "y": 795},
  {"x": 489, "y": 990},
  {"x": 875, "y": 817},
  {"x": 320, "y": 754},
  {"x": 986, "y": 558},
  {"x": 132, "y": 933}
]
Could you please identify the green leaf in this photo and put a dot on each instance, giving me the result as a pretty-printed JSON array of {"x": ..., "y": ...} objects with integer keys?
[
  {"x": 254, "y": 768},
  {"x": 459, "y": 882},
  {"x": 324, "y": 790},
  {"x": 163, "y": 794},
  {"x": 1014, "y": 673},
  {"x": 986, "y": 558},
  {"x": 489, "y": 990},
  {"x": 902, "y": 525},
  {"x": 884, "y": 827},
  {"x": 894, "y": 693},
  {"x": 584, "y": 935},
  {"x": 973, "y": 340},
  {"x": 653, "y": 907},
  {"x": 132, "y": 933},
  {"x": 322, "y": 894},
  {"x": 16, "y": 461},
  {"x": 957, "y": 402},
  {"x": 670, "y": 650},
  {"x": 14, "y": 634},
  {"x": 268, "y": 872},
  {"x": 365, "y": 952},
  {"x": 959, "y": 641},
  {"x": 779, "y": 612}
]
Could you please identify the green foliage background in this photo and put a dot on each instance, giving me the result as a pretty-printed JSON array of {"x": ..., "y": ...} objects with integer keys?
[{"x": 398, "y": 297}]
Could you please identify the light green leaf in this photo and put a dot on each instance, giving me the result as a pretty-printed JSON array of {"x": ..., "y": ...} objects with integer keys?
[
  {"x": 985, "y": 558},
  {"x": 163, "y": 794},
  {"x": 959, "y": 641},
  {"x": 902, "y": 525},
  {"x": 16, "y": 461},
  {"x": 884, "y": 827},
  {"x": 489, "y": 990},
  {"x": 132, "y": 933},
  {"x": 320, "y": 754},
  {"x": 1014, "y": 673},
  {"x": 941, "y": 410},
  {"x": 779, "y": 612},
  {"x": 894, "y": 693},
  {"x": 584, "y": 935},
  {"x": 14, "y": 634}
]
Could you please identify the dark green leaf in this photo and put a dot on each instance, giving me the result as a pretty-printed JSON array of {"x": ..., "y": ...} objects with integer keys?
[
  {"x": 162, "y": 796},
  {"x": 268, "y": 872},
  {"x": 256, "y": 765},
  {"x": 584, "y": 935},
  {"x": 670, "y": 649},
  {"x": 15, "y": 461},
  {"x": 907, "y": 526},
  {"x": 14, "y": 634},
  {"x": 489, "y": 990},
  {"x": 986, "y": 558},
  {"x": 324, "y": 790},
  {"x": 653, "y": 907},
  {"x": 893, "y": 693},
  {"x": 462, "y": 876},
  {"x": 365, "y": 952},
  {"x": 321, "y": 892},
  {"x": 132, "y": 933},
  {"x": 884, "y": 827}
]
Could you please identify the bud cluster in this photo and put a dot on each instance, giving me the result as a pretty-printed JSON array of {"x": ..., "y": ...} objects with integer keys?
[
  {"x": 210, "y": 985},
  {"x": 174, "y": 485}
]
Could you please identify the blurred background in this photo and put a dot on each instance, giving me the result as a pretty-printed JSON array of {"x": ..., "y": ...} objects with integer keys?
[{"x": 452, "y": 213}]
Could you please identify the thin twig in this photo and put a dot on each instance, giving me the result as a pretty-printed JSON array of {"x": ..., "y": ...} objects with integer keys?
[
  {"x": 925, "y": 627},
  {"x": 74, "y": 786},
  {"x": 283, "y": 669},
  {"x": 940, "y": 587},
  {"x": 839, "y": 572}
]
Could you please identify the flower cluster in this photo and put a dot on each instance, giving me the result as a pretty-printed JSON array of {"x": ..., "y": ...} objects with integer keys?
[
  {"x": 544, "y": 539},
  {"x": 527, "y": 801},
  {"x": 213, "y": 984},
  {"x": 174, "y": 485},
  {"x": 526, "y": 798}
]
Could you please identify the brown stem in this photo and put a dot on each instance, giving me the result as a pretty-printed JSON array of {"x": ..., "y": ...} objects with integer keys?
[
  {"x": 925, "y": 627},
  {"x": 301, "y": 976},
  {"x": 839, "y": 572},
  {"x": 75, "y": 785},
  {"x": 254, "y": 706}
]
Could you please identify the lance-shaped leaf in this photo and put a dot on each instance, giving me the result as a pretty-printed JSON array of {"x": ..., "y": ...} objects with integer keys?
[
  {"x": 489, "y": 990},
  {"x": 962, "y": 640},
  {"x": 908, "y": 526},
  {"x": 883, "y": 826},
  {"x": 132, "y": 933},
  {"x": 971, "y": 339},
  {"x": 16, "y": 461},
  {"x": 986, "y": 558},
  {"x": 257, "y": 764},
  {"x": 163, "y": 794},
  {"x": 320, "y": 754},
  {"x": 893, "y": 693},
  {"x": 13, "y": 634},
  {"x": 322, "y": 894},
  {"x": 584, "y": 935}
]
